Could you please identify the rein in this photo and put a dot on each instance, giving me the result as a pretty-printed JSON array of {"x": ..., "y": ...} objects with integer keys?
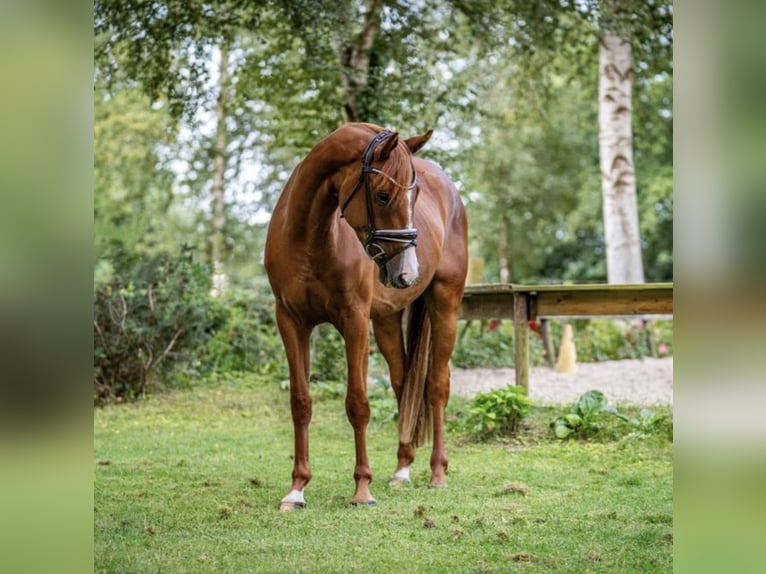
[{"x": 405, "y": 237}]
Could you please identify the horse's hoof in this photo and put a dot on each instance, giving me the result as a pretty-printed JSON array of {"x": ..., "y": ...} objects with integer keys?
[
  {"x": 438, "y": 485},
  {"x": 369, "y": 503},
  {"x": 396, "y": 482},
  {"x": 290, "y": 506}
]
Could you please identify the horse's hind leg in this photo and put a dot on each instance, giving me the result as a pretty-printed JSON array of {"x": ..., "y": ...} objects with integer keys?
[
  {"x": 388, "y": 334},
  {"x": 295, "y": 337},
  {"x": 444, "y": 307}
]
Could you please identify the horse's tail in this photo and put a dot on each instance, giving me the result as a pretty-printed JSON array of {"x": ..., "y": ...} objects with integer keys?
[{"x": 415, "y": 412}]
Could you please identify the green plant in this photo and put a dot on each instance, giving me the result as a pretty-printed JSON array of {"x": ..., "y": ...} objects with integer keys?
[
  {"x": 610, "y": 340},
  {"x": 490, "y": 344},
  {"x": 150, "y": 316},
  {"x": 585, "y": 416},
  {"x": 328, "y": 361},
  {"x": 498, "y": 412},
  {"x": 248, "y": 340}
]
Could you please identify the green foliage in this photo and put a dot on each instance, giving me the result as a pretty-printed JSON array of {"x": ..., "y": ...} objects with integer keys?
[
  {"x": 528, "y": 170},
  {"x": 478, "y": 347},
  {"x": 328, "y": 360},
  {"x": 132, "y": 180},
  {"x": 248, "y": 340},
  {"x": 585, "y": 417},
  {"x": 150, "y": 315},
  {"x": 489, "y": 344},
  {"x": 498, "y": 413},
  {"x": 611, "y": 340}
]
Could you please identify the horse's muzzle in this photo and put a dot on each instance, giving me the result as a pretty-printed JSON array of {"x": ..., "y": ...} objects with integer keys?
[
  {"x": 403, "y": 280},
  {"x": 399, "y": 272}
]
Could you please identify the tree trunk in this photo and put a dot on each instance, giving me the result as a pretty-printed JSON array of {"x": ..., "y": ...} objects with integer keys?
[
  {"x": 505, "y": 250},
  {"x": 218, "y": 237},
  {"x": 618, "y": 181},
  {"x": 356, "y": 60}
]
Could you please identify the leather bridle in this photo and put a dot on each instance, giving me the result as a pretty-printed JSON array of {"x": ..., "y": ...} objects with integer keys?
[{"x": 406, "y": 237}]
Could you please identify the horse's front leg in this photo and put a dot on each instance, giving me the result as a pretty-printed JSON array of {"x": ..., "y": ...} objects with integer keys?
[
  {"x": 295, "y": 337},
  {"x": 355, "y": 329}
]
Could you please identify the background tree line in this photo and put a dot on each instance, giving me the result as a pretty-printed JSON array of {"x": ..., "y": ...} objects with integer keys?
[{"x": 202, "y": 109}]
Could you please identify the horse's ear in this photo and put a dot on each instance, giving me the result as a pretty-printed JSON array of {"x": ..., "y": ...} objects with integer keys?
[
  {"x": 389, "y": 146},
  {"x": 417, "y": 142}
]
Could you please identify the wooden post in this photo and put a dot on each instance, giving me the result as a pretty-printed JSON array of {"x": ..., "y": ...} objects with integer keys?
[
  {"x": 521, "y": 339},
  {"x": 550, "y": 354}
]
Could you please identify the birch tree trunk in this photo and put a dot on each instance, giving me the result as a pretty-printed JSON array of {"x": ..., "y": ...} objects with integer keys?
[
  {"x": 218, "y": 236},
  {"x": 618, "y": 180}
]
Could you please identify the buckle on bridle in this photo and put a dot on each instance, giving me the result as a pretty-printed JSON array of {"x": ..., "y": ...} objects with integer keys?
[{"x": 405, "y": 237}]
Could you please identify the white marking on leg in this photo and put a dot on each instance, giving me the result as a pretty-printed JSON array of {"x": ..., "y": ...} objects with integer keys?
[
  {"x": 295, "y": 496},
  {"x": 403, "y": 474}
]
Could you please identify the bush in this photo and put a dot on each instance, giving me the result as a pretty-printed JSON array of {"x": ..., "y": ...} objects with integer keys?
[
  {"x": 328, "y": 354},
  {"x": 489, "y": 344},
  {"x": 585, "y": 416},
  {"x": 248, "y": 340},
  {"x": 150, "y": 315},
  {"x": 610, "y": 340},
  {"x": 498, "y": 412}
]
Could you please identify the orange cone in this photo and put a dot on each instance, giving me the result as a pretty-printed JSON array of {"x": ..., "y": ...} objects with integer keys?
[{"x": 567, "y": 361}]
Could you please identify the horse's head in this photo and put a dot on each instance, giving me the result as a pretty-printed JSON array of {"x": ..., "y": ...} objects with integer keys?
[{"x": 380, "y": 206}]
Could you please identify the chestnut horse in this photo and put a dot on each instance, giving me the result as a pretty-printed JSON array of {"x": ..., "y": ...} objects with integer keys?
[{"x": 363, "y": 231}]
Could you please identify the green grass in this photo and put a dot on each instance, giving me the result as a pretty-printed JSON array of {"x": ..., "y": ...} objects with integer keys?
[{"x": 190, "y": 481}]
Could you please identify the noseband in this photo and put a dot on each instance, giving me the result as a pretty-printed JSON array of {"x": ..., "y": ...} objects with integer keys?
[{"x": 407, "y": 237}]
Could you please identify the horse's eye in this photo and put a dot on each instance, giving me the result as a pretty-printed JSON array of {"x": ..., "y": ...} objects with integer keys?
[{"x": 382, "y": 197}]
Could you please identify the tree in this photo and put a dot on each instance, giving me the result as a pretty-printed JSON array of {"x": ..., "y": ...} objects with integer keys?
[
  {"x": 618, "y": 180},
  {"x": 508, "y": 85},
  {"x": 167, "y": 48},
  {"x": 132, "y": 178}
]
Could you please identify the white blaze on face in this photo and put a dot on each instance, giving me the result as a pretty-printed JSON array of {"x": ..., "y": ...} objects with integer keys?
[{"x": 410, "y": 265}]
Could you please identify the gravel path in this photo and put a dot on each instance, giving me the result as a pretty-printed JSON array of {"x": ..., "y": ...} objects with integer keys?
[{"x": 630, "y": 382}]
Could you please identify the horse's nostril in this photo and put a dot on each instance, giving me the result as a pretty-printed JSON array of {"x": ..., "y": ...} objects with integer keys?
[{"x": 403, "y": 281}]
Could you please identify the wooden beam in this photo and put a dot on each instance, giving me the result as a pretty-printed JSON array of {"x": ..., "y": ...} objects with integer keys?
[
  {"x": 496, "y": 301},
  {"x": 524, "y": 302}
]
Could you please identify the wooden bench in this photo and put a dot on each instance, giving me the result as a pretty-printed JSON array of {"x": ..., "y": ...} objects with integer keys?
[{"x": 523, "y": 303}]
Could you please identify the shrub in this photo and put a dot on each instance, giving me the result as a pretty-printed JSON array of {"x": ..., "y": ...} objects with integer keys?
[
  {"x": 585, "y": 416},
  {"x": 610, "y": 340},
  {"x": 248, "y": 340},
  {"x": 328, "y": 356},
  {"x": 149, "y": 314},
  {"x": 490, "y": 344},
  {"x": 498, "y": 412}
]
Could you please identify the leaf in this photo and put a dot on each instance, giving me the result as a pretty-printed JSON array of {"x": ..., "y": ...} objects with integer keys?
[
  {"x": 573, "y": 419},
  {"x": 615, "y": 412},
  {"x": 591, "y": 401},
  {"x": 562, "y": 431}
]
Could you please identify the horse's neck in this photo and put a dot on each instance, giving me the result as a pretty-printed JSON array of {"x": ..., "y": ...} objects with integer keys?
[{"x": 312, "y": 206}]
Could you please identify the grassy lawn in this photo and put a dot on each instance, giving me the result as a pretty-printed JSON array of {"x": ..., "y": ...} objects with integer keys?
[{"x": 190, "y": 481}]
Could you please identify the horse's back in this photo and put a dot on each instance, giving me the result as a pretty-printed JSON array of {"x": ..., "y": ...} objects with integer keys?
[{"x": 442, "y": 195}]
